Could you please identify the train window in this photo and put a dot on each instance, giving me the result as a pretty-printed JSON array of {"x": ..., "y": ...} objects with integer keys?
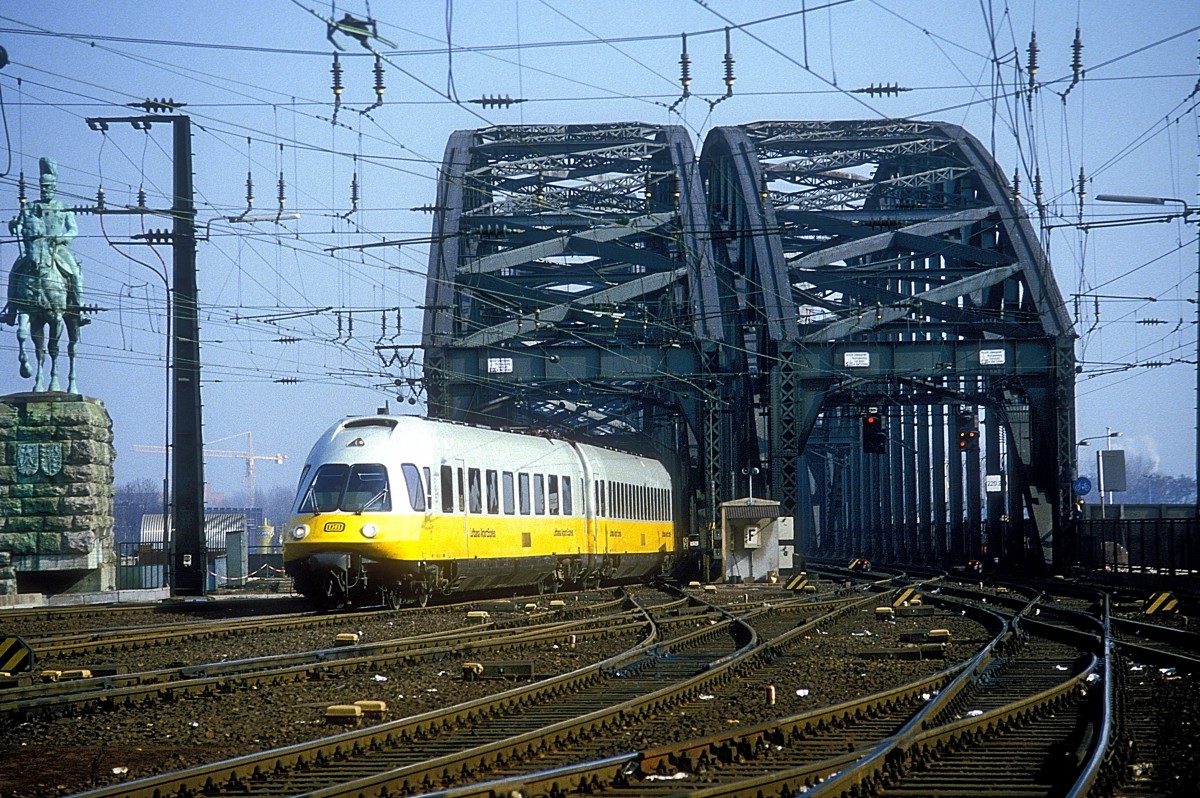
[
  {"x": 600, "y": 505},
  {"x": 416, "y": 488},
  {"x": 367, "y": 489},
  {"x": 447, "y": 489},
  {"x": 325, "y": 491},
  {"x": 428, "y": 487},
  {"x": 523, "y": 492},
  {"x": 539, "y": 494},
  {"x": 474, "y": 491},
  {"x": 506, "y": 484},
  {"x": 552, "y": 493},
  {"x": 493, "y": 492},
  {"x": 460, "y": 494},
  {"x": 566, "y": 496}
]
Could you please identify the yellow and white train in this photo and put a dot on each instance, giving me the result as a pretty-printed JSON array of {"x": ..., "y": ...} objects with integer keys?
[{"x": 394, "y": 509}]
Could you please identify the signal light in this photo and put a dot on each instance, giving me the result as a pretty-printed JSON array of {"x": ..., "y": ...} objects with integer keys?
[
  {"x": 967, "y": 426},
  {"x": 874, "y": 435}
]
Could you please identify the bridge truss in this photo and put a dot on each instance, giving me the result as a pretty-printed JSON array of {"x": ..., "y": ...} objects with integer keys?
[{"x": 747, "y": 308}]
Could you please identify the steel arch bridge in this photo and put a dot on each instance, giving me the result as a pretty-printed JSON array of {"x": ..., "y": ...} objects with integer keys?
[{"x": 748, "y": 308}]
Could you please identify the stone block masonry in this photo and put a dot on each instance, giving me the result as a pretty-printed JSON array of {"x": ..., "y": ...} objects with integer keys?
[{"x": 56, "y": 494}]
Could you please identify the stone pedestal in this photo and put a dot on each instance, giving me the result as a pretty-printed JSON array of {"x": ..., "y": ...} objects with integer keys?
[{"x": 56, "y": 494}]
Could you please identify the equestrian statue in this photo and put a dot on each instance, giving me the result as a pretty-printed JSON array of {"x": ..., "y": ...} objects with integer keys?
[{"x": 45, "y": 287}]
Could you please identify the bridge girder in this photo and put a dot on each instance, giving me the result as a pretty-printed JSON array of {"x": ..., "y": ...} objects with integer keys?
[
  {"x": 743, "y": 308},
  {"x": 572, "y": 287},
  {"x": 888, "y": 265}
]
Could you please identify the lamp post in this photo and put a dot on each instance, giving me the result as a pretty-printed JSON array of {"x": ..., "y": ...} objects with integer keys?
[
  {"x": 751, "y": 471},
  {"x": 1191, "y": 214},
  {"x": 1108, "y": 435}
]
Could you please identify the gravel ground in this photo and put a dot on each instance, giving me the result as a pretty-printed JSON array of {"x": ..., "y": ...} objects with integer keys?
[
  {"x": 58, "y": 757},
  {"x": 49, "y": 758}
]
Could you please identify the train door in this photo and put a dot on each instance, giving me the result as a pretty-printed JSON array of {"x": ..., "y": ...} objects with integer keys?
[
  {"x": 460, "y": 507},
  {"x": 590, "y": 510}
]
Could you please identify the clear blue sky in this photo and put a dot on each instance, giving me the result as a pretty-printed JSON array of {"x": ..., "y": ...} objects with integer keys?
[{"x": 257, "y": 85}]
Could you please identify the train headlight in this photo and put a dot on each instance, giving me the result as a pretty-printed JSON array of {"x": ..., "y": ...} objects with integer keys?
[
  {"x": 369, "y": 530},
  {"x": 299, "y": 532}
]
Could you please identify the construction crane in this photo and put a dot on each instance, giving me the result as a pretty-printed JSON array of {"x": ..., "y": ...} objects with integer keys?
[{"x": 249, "y": 456}]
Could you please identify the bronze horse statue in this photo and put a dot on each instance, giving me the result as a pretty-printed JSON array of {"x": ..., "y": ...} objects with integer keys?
[{"x": 37, "y": 302}]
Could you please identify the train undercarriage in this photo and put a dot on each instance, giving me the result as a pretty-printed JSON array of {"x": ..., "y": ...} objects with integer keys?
[{"x": 332, "y": 580}]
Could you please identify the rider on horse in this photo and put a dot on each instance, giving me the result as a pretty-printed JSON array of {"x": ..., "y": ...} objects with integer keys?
[{"x": 46, "y": 228}]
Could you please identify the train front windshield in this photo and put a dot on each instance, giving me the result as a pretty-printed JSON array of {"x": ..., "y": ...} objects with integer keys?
[{"x": 349, "y": 488}]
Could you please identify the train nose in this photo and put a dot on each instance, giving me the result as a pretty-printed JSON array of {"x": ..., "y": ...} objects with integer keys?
[{"x": 329, "y": 561}]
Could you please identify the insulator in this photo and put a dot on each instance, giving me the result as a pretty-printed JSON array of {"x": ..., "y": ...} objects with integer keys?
[
  {"x": 685, "y": 67},
  {"x": 488, "y": 101},
  {"x": 141, "y": 196},
  {"x": 287, "y": 381},
  {"x": 379, "y": 87},
  {"x": 1082, "y": 190},
  {"x": 763, "y": 191},
  {"x": 21, "y": 188},
  {"x": 728, "y": 66},
  {"x": 249, "y": 189},
  {"x": 1016, "y": 185},
  {"x": 282, "y": 191},
  {"x": 354, "y": 190},
  {"x": 336, "y": 70},
  {"x": 100, "y": 198},
  {"x": 541, "y": 188},
  {"x": 649, "y": 190},
  {"x": 1037, "y": 188},
  {"x": 1077, "y": 57},
  {"x": 882, "y": 90},
  {"x": 1033, "y": 57},
  {"x": 675, "y": 192}
]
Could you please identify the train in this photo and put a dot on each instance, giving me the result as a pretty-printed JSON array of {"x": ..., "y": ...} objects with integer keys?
[{"x": 393, "y": 510}]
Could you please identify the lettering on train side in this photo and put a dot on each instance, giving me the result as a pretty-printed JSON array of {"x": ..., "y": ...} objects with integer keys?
[
  {"x": 614, "y": 533},
  {"x": 564, "y": 533},
  {"x": 483, "y": 533}
]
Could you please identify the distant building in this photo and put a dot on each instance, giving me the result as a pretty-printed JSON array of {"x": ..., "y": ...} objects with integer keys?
[{"x": 227, "y": 534}]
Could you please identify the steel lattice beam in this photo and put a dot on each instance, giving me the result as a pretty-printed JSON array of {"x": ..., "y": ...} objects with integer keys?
[
  {"x": 572, "y": 287},
  {"x": 886, "y": 264}
]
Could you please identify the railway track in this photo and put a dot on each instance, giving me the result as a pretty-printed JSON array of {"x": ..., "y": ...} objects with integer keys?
[
  {"x": 852, "y": 749},
  {"x": 539, "y": 722},
  {"x": 1033, "y": 696},
  {"x": 110, "y": 691}
]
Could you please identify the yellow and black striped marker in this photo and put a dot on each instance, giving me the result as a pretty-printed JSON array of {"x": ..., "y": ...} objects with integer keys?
[
  {"x": 1161, "y": 602},
  {"x": 905, "y": 595},
  {"x": 15, "y": 655},
  {"x": 797, "y": 582}
]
